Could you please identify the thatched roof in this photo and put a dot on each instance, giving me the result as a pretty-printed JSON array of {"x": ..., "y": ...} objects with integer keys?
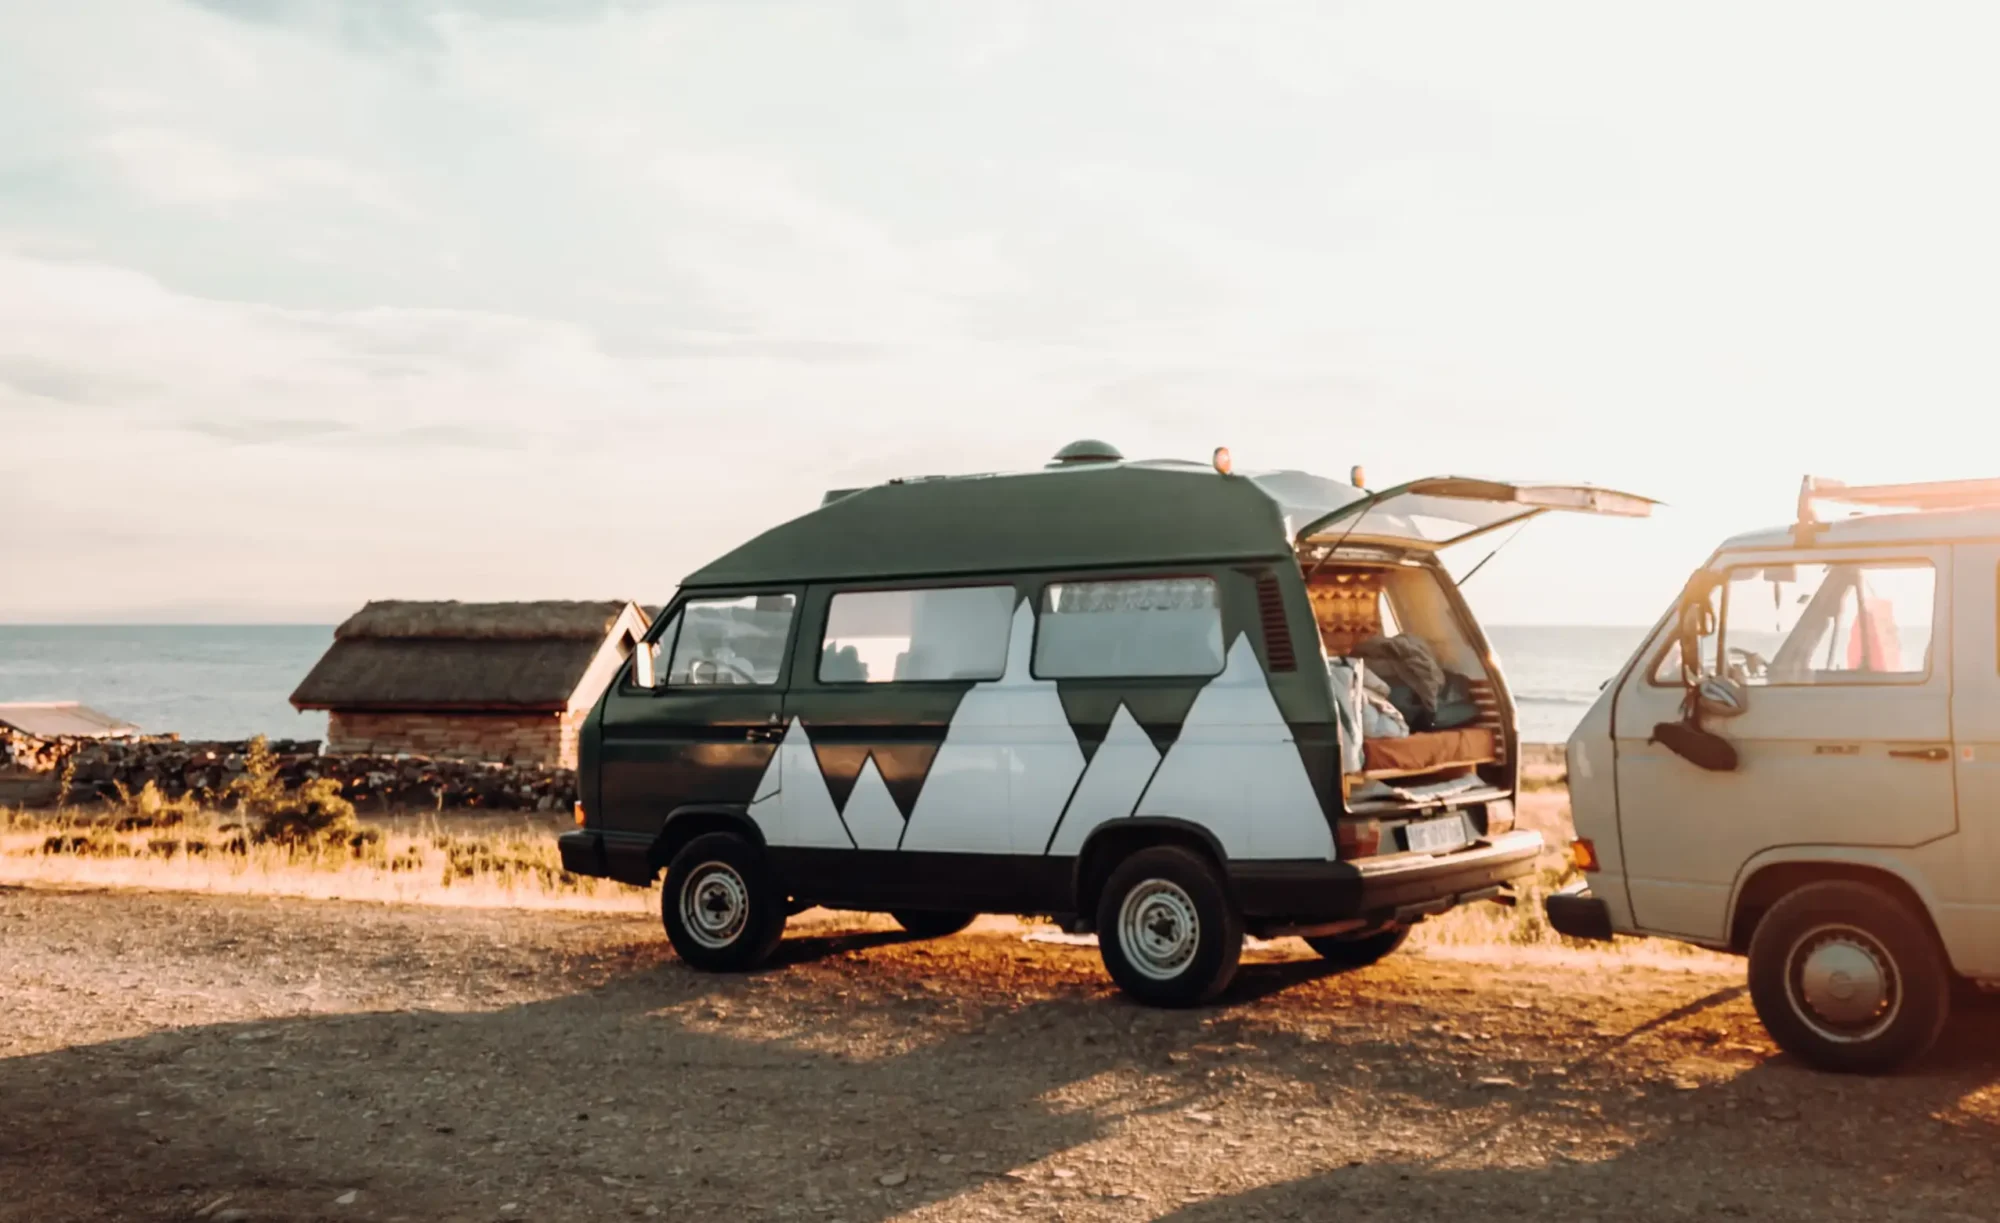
[
  {"x": 454, "y": 621},
  {"x": 445, "y": 656}
]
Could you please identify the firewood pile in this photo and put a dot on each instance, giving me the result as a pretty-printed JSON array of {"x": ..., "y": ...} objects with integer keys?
[{"x": 99, "y": 768}]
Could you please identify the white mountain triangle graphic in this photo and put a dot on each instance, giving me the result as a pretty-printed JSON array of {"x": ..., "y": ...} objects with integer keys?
[
  {"x": 1010, "y": 776},
  {"x": 1236, "y": 770},
  {"x": 1113, "y": 784},
  {"x": 1007, "y": 765},
  {"x": 870, "y": 814}
]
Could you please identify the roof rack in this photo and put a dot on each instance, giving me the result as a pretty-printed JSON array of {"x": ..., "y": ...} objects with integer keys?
[{"x": 1932, "y": 495}]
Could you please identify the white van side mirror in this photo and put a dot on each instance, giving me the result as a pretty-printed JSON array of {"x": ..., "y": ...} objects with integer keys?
[{"x": 643, "y": 658}]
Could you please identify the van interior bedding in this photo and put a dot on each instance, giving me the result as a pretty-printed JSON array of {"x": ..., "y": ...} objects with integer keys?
[{"x": 1418, "y": 713}]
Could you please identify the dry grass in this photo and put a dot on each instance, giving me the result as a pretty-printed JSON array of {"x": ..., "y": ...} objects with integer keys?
[
  {"x": 488, "y": 862},
  {"x": 412, "y": 861}
]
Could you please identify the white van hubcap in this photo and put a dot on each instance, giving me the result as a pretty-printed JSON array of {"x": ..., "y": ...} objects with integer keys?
[
  {"x": 1158, "y": 929},
  {"x": 1843, "y": 983},
  {"x": 715, "y": 904}
]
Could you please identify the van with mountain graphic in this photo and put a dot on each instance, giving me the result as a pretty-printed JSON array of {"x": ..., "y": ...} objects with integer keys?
[{"x": 1128, "y": 695}]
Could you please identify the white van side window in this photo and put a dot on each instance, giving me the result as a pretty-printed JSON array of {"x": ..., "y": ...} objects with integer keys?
[
  {"x": 732, "y": 641},
  {"x": 1841, "y": 623},
  {"x": 909, "y": 636},
  {"x": 1147, "y": 627}
]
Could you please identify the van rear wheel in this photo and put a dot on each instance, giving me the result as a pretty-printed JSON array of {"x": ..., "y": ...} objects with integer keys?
[
  {"x": 1359, "y": 951},
  {"x": 933, "y": 923},
  {"x": 721, "y": 908},
  {"x": 1845, "y": 977},
  {"x": 1167, "y": 928}
]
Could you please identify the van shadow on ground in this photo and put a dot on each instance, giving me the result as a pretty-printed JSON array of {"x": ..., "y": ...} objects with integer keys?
[
  {"x": 1776, "y": 1142},
  {"x": 769, "y": 1097}
]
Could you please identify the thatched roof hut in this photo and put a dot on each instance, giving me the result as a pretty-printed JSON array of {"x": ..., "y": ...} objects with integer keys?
[{"x": 500, "y": 681}]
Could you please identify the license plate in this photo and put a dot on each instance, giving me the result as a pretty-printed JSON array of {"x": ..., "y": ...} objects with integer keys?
[{"x": 1435, "y": 836}]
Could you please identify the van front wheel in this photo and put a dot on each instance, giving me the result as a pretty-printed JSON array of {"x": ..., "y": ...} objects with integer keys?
[
  {"x": 1167, "y": 929},
  {"x": 1847, "y": 978},
  {"x": 721, "y": 909}
]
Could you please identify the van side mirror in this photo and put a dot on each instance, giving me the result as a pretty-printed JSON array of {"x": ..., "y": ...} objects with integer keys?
[{"x": 643, "y": 658}]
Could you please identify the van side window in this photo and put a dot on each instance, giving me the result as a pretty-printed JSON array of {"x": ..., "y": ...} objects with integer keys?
[
  {"x": 1148, "y": 627},
  {"x": 1843, "y": 623},
  {"x": 889, "y": 636},
  {"x": 731, "y": 641}
]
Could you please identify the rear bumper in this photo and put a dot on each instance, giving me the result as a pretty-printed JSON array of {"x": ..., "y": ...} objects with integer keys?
[
  {"x": 1402, "y": 887},
  {"x": 1575, "y": 912},
  {"x": 592, "y": 853}
]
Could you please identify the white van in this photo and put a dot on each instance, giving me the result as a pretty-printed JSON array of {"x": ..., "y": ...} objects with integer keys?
[{"x": 1820, "y": 787}]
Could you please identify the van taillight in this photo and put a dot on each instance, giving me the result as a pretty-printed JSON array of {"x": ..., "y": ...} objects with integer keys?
[
  {"x": 1358, "y": 838},
  {"x": 579, "y": 815},
  {"x": 1583, "y": 854}
]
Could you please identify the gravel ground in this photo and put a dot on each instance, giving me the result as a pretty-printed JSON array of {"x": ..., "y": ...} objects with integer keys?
[{"x": 179, "y": 1057}]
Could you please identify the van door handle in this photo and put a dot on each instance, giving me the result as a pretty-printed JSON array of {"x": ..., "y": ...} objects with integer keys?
[{"x": 1935, "y": 754}]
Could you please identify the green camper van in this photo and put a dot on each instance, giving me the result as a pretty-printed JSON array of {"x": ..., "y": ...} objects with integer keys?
[{"x": 1100, "y": 691}]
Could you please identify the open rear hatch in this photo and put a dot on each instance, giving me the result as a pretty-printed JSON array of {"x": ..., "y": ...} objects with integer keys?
[
  {"x": 1440, "y": 511},
  {"x": 1438, "y": 771}
]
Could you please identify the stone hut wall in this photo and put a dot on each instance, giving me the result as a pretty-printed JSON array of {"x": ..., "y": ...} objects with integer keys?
[{"x": 545, "y": 739}]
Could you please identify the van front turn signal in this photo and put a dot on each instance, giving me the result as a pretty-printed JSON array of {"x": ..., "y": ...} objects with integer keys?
[{"x": 1583, "y": 854}]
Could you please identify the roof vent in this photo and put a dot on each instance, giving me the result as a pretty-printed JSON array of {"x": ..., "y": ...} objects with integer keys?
[{"x": 1089, "y": 450}]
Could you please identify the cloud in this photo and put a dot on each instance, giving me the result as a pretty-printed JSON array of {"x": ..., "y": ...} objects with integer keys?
[
  {"x": 406, "y": 25},
  {"x": 258, "y": 432},
  {"x": 506, "y": 296},
  {"x": 37, "y": 377},
  {"x": 179, "y": 167}
]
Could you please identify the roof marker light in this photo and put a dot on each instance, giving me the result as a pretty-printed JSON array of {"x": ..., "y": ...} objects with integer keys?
[{"x": 1222, "y": 460}]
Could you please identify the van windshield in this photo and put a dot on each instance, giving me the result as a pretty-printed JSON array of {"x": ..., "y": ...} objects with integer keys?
[{"x": 1842, "y": 623}]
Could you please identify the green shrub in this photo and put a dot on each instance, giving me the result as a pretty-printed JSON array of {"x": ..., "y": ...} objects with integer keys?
[{"x": 310, "y": 817}]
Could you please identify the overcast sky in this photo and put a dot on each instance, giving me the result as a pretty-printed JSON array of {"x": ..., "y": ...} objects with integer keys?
[{"x": 304, "y": 302}]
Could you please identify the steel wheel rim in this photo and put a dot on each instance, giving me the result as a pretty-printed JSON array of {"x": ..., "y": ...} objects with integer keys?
[
  {"x": 714, "y": 905},
  {"x": 1159, "y": 929},
  {"x": 1842, "y": 983}
]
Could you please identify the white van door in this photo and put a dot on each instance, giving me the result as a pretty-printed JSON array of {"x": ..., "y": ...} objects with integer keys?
[{"x": 1846, "y": 740}]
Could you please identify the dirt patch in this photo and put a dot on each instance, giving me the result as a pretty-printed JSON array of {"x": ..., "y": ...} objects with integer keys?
[{"x": 165, "y": 1055}]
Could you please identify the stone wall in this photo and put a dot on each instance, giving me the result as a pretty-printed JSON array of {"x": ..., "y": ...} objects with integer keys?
[
  {"x": 101, "y": 768},
  {"x": 528, "y": 739}
]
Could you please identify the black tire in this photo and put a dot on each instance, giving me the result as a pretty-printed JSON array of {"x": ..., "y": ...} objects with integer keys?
[
  {"x": 1190, "y": 933},
  {"x": 933, "y": 923},
  {"x": 1834, "y": 934},
  {"x": 722, "y": 910},
  {"x": 1359, "y": 951}
]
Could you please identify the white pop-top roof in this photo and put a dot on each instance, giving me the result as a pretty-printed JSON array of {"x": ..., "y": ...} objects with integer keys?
[{"x": 1938, "y": 512}]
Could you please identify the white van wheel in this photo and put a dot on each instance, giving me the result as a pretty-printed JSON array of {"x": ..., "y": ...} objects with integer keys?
[
  {"x": 1167, "y": 929},
  {"x": 1845, "y": 977}
]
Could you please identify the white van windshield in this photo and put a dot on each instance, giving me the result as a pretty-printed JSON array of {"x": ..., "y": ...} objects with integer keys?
[{"x": 1840, "y": 623}]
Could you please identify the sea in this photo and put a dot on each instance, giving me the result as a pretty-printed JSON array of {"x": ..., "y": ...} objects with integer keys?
[{"x": 235, "y": 681}]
